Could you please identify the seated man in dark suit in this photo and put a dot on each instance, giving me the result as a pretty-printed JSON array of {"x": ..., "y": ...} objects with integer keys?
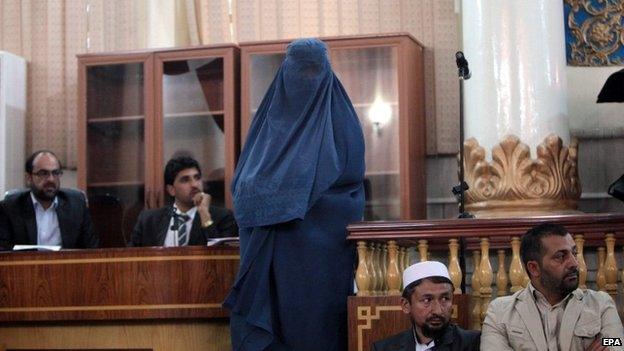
[
  {"x": 191, "y": 220},
  {"x": 428, "y": 300},
  {"x": 45, "y": 214}
]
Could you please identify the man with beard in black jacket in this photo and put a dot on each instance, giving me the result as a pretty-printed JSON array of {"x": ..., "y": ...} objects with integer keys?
[{"x": 428, "y": 300}]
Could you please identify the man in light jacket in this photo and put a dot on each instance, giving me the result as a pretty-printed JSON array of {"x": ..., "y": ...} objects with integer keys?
[{"x": 552, "y": 313}]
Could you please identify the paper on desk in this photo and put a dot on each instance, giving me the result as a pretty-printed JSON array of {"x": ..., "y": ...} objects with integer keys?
[
  {"x": 220, "y": 241},
  {"x": 37, "y": 247}
]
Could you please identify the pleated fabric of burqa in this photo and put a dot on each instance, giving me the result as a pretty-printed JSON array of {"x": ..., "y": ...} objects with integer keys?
[{"x": 297, "y": 185}]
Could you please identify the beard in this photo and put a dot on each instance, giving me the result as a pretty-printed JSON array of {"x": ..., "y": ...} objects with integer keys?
[
  {"x": 43, "y": 194},
  {"x": 434, "y": 331},
  {"x": 562, "y": 286}
]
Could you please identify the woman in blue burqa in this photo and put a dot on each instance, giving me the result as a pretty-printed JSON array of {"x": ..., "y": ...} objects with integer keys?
[{"x": 297, "y": 185}]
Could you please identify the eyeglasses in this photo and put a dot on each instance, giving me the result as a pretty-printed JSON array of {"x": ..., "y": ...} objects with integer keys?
[{"x": 44, "y": 174}]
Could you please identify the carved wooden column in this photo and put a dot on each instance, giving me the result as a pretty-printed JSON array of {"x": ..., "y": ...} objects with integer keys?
[
  {"x": 407, "y": 258},
  {"x": 362, "y": 275},
  {"x": 580, "y": 242},
  {"x": 372, "y": 269},
  {"x": 378, "y": 269},
  {"x": 516, "y": 269},
  {"x": 611, "y": 271},
  {"x": 501, "y": 275},
  {"x": 393, "y": 276},
  {"x": 601, "y": 279},
  {"x": 401, "y": 261},
  {"x": 476, "y": 294},
  {"x": 485, "y": 276},
  {"x": 422, "y": 250},
  {"x": 384, "y": 267},
  {"x": 454, "y": 268}
]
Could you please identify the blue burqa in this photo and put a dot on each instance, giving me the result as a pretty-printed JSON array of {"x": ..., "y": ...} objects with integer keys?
[{"x": 297, "y": 185}]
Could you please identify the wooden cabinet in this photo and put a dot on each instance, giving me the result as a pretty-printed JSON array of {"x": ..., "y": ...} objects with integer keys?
[
  {"x": 137, "y": 110},
  {"x": 383, "y": 76}
]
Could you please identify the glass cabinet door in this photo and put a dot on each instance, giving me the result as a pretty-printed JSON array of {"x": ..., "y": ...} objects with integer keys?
[
  {"x": 262, "y": 70},
  {"x": 115, "y": 155},
  {"x": 370, "y": 77},
  {"x": 193, "y": 118}
]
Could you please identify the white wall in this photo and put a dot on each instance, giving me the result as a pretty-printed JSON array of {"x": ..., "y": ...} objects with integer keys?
[{"x": 587, "y": 118}]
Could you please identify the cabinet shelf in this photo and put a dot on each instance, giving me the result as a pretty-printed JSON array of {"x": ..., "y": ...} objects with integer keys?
[
  {"x": 116, "y": 119},
  {"x": 118, "y": 183},
  {"x": 216, "y": 113}
]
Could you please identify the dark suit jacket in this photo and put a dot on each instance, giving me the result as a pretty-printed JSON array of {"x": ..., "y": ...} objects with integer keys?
[
  {"x": 152, "y": 225},
  {"x": 18, "y": 223},
  {"x": 454, "y": 339}
]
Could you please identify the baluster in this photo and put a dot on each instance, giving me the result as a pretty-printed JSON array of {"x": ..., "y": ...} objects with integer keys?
[
  {"x": 384, "y": 267},
  {"x": 362, "y": 276},
  {"x": 408, "y": 257},
  {"x": 476, "y": 295},
  {"x": 610, "y": 268},
  {"x": 422, "y": 250},
  {"x": 516, "y": 270},
  {"x": 485, "y": 276},
  {"x": 601, "y": 279},
  {"x": 372, "y": 270},
  {"x": 525, "y": 279},
  {"x": 378, "y": 271},
  {"x": 501, "y": 275},
  {"x": 401, "y": 260},
  {"x": 393, "y": 277},
  {"x": 580, "y": 243},
  {"x": 454, "y": 268}
]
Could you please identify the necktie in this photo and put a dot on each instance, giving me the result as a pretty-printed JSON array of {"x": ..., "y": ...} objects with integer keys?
[{"x": 181, "y": 220}]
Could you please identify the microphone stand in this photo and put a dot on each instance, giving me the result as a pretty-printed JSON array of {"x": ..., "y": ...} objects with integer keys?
[{"x": 460, "y": 190}]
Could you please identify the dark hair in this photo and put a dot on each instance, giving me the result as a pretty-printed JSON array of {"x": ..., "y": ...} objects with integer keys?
[
  {"x": 531, "y": 248},
  {"x": 28, "y": 167},
  {"x": 409, "y": 290},
  {"x": 178, "y": 164}
]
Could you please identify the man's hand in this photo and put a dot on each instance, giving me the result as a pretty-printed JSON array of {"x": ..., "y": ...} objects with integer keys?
[
  {"x": 202, "y": 201},
  {"x": 596, "y": 345}
]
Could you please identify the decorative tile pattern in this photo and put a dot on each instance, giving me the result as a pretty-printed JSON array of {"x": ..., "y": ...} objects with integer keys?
[{"x": 594, "y": 32}]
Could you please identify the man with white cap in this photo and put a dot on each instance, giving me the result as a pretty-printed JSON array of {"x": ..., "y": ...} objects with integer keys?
[{"x": 428, "y": 300}]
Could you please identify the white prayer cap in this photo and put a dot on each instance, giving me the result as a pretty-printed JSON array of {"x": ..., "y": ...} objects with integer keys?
[{"x": 424, "y": 270}]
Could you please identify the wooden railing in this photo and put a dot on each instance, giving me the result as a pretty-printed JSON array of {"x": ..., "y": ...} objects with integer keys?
[{"x": 385, "y": 249}]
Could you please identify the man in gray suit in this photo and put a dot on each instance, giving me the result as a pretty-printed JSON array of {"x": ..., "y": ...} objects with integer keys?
[{"x": 551, "y": 313}]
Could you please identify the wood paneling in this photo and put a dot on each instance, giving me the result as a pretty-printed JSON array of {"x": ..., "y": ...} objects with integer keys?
[
  {"x": 181, "y": 335},
  {"x": 104, "y": 284}
]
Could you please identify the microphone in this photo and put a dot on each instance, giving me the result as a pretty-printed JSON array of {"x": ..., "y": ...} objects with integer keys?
[{"x": 462, "y": 66}]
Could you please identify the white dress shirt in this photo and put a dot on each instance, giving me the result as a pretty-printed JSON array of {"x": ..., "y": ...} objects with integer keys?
[
  {"x": 48, "y": 231},
  {"x": 422, "y": 347},
  {"x": 172, "y": 235}
]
